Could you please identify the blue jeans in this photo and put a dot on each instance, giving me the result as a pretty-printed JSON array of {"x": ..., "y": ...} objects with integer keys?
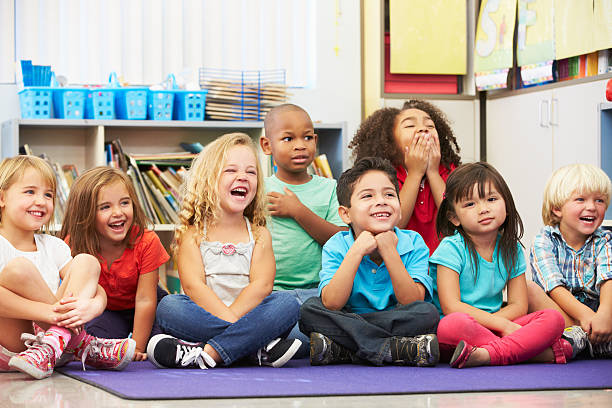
[
  {"x": 181, "y": 317},
  {"x": 301, "y": 295},
  {"x": 368, "y": 334}
]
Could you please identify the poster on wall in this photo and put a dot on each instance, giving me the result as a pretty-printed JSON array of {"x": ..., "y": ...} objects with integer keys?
[
  {"x": 493, "y": 48},
  {"x": 602, "y": 14},
  {"x": 428, "y": 37},
  {"x": 535, "y": 32},
  {"x": 574, "y": 22}
]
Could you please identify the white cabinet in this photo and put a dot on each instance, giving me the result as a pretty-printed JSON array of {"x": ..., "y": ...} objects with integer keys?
[{"x": 531, "y": 134}]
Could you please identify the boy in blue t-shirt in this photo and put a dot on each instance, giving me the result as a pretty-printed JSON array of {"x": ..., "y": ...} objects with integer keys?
[
  {"x": 374, "y": 280},
  {"x": 303, "y": 208}
]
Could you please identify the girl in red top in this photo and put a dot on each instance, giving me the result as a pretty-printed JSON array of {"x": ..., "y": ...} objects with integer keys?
[
  {"x": 419, "y": 142},
  {"x": 105, "y": 219}
]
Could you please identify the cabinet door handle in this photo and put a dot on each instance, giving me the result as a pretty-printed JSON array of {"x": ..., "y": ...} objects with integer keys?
[
  {"x": 554, "y": 112},
  {"x": 544, "y": 113}
]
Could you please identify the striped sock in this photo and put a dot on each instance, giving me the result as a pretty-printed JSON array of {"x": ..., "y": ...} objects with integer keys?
[{"x": 57, "y": 337}]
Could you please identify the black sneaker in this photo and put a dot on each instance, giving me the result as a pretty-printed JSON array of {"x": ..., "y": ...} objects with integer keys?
[
  {"x": 169, "y": 352},
  {"x": 420, "y": 351},
  {"x": 601, "y": 350},
  {"x": 277, "y": 352},
  {"x": 324, "y": 351}
]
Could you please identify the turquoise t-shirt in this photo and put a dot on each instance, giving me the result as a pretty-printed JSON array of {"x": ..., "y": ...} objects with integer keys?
[
  {"x": 484, "y": 291},
  {"x": 298, "y": 255}
]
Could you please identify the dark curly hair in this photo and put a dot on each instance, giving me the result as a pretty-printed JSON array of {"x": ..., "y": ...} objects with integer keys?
[{"x": 375, "y": 135}]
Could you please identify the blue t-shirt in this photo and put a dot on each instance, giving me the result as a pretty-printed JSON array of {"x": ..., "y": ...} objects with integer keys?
[
  {"x": 372, "y": 287},
  {"x": 484, "y": 291}
]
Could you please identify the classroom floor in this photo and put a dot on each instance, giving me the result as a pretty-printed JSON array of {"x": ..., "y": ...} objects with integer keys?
[{"x": 59, "y": 391}]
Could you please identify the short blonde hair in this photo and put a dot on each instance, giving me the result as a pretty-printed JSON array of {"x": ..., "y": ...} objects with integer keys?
[
  {"x": 14, "y": 167},
  {"x": 200, "y": 206},
  {"x": 583, "y": 178}
]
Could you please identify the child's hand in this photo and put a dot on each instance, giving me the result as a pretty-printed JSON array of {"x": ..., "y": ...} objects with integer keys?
[
  {"x": 416, "y": 156},
  {"x": 433, "y": 163},
  {"x": 601, "y": 327},
  {"x": 139, "y": 356},
  {"x": 75, "y": 312},
  {"x": 365, "y": 243},
  {"x": 510, "y": 328},
  {"x": 386, "y": 241},
  {"x": 283, "y": 205}
]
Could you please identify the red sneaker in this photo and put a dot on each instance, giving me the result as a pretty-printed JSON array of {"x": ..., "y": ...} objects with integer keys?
[
  {"x": 106, "y": 354},
  {"x": 38, "y": 360}
]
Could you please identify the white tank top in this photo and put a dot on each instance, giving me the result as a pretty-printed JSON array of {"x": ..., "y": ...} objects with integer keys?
[{"x": 227, "y": 266}]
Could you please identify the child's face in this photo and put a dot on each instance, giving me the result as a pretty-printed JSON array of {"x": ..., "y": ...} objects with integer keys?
[
  {"x": 375, "y": 206},
  {"x": 292, "y": 143},
  {"x": 581, "y": 215},
  {"x": 409, "y": 123},
  {"x": 114, "y": 213},
  {"x": 238, "y": 181},
  {"x": 28, "y": 203},
  {"x": 480, "y": 216}
]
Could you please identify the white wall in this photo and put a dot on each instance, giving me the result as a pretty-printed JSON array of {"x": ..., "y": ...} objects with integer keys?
[{"x": 9, "y": 102}]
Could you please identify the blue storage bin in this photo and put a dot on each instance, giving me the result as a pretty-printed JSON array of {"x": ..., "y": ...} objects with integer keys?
[
  {"x": 36, "y": 103},
  {"x": 160, "y": 104},
  {"x": 189, "y": 105},
  {"x": 100, "y": 104},
  {"x": 131, "y": 103},
  {"x": 69, "y": 103}
]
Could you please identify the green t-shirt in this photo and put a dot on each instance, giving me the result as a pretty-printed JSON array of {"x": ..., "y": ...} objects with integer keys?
[{"x": 298, "y": 255}]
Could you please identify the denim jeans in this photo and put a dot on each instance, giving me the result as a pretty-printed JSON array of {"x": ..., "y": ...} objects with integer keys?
[
  {"x": 274, "y": 317},
  {"x": 118, "y": 324},
  {"x": 368, "y": 334},
  {"x": 301, "y": 295}
]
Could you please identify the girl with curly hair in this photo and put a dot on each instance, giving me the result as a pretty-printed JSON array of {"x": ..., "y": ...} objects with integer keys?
[
  {"x": 226, "y": 267},
  {"x": 419, "y": 142}
]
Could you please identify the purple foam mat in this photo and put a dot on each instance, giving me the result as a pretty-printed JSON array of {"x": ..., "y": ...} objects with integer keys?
[{"x": 143, "y": 381}]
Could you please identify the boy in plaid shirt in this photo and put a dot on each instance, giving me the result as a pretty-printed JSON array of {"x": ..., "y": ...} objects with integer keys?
[{"x": 571, "y": 257}]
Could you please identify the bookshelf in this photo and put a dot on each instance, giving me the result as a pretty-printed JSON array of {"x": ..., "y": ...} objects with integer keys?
[
  {"x": 605, "y": 140},
  {"x": 81, "y": 142}
]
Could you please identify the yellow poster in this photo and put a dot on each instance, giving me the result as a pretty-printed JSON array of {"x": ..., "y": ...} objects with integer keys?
[
  {"x": 428, "y": 36},
  {"x": 574, "y": 22},
  {"x": 493, "y": 48},
  {"x": 535, "y": 33},
  {"x": 602, "y": 34}
]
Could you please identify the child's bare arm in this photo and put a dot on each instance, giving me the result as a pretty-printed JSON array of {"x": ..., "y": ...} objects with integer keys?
[
  {"x": 575, "y": 309},
  {"x": 449, "y": 293},
  {"x": 76, "y": 311},
  {"x": 517, "y": 299},
  {"x": 261, "y": 275},
  {"x": 144, "y": 311},
  {"x": 601, "y": 324},
  {"x": 405, "y": 288},
  {"x": 337, "y": 292},
  {"x": 289, "y": 205},
  {"x": 193, "y": 278}
]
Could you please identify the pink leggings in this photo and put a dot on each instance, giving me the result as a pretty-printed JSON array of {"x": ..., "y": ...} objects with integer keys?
[{"x": 541, "y": 330}]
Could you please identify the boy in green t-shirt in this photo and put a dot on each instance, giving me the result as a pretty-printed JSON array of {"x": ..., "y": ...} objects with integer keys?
[{"x": 303, "y": 207}]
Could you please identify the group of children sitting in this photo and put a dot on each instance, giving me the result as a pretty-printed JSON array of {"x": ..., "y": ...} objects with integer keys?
[{"x": 297, "y": 265}]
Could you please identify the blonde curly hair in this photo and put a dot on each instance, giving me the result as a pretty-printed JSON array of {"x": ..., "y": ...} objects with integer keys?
[{"x": 200, "y": 206}]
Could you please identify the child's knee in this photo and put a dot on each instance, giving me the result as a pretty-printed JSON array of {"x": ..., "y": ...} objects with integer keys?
[
  {"x": 451, "y": 327},
  {"x": 19, "y": 269},
  {"x": 87, "y": 264},
  {"x": 554, "y": 319}
]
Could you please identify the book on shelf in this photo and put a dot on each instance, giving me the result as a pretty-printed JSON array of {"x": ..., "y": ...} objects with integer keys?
[
  {"x": 70, "y": 172},
  {"x": 321, "y": 165}
]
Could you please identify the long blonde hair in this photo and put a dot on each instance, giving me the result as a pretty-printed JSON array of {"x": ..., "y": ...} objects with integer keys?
[
  {"x": 14, "y": 167},
  {"x": 200, "y": 205},
  {"x": 80, "y": 220}
]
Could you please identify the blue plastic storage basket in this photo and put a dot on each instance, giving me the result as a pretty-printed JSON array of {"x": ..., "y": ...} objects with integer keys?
[
  {"x": 35, "y": 103},
  {"x": 131, "y": 103},
  {"x": 100, "y": 104},
  {"x": 189, "y": 105},
  {"x": 160, "y": 104},
  {"x": 69, "y": 103}
]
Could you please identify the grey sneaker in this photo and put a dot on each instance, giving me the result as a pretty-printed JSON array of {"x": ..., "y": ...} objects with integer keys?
[
  {"x": 420, "y": 351},
  {"x": 602, "y": 350},
  {"x": 324, "y": 351},
  {"x": 577, "y": 338}
]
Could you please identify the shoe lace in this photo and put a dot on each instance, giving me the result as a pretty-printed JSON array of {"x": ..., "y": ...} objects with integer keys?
[
  {"x": 37, "y": 347},
  {"x": 97, "y": 348},
  {"x": 189, "y": 355}
]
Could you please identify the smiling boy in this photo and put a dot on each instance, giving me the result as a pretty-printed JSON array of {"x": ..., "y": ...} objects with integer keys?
[
  {"x": 374, "y": 280},
  {"x": 571, "y": 258}
]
